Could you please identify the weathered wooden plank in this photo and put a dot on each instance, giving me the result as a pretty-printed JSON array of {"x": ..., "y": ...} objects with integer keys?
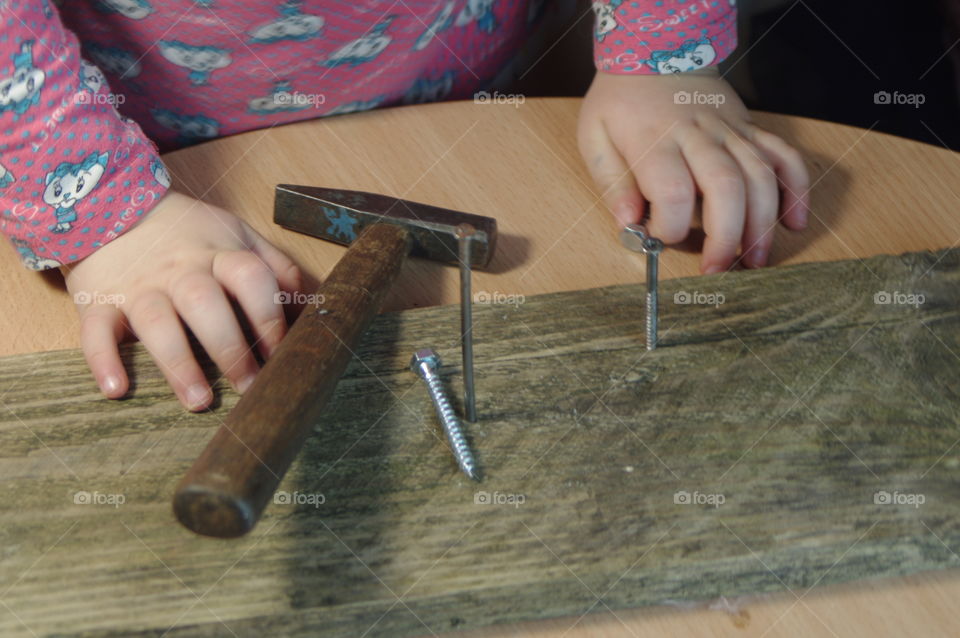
[{"x": 796, "y": 401}]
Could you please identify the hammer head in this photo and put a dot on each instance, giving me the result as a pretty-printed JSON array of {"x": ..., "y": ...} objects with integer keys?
[{"x": 340, "y": 215}]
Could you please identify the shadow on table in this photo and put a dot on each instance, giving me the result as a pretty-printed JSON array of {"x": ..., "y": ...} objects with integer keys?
[{"x": 335, "y": 502}]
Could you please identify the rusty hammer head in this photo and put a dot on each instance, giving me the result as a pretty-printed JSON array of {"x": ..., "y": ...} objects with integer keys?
[{"x": 340, "y": 215}]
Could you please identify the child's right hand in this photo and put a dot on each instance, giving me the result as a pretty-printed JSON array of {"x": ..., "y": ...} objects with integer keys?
[{"x": 185, "y": 261}]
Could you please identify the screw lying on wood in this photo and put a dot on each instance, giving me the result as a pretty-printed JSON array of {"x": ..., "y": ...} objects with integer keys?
[{"x": 426, "y": 362}]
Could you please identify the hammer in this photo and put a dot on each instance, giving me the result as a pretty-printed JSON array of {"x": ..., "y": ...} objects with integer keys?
[{"x": 225, "y": 491}]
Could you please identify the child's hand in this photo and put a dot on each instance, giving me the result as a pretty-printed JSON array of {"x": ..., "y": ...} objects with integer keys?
[
  {"x": 646, "y": 138},
  {"x": 181, "y": 262}
]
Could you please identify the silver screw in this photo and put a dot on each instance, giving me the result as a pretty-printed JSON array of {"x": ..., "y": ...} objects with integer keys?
[
  {"x": 465, "y": 234},
  {"x": 635, "y": 237},
  {"x": 425, "y": 363}
]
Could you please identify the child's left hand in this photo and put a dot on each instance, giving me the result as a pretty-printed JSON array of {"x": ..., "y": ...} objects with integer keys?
[{"x": 665, "y": 139}]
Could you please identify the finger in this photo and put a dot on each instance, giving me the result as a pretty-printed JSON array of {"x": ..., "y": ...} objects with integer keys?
[
  {"x": 793, "y": 177},
  {"x": 205, "y": 308},
  {"x": 610, "y": 172},
  {"x": 101, "y": 328},
  {"x": 724, "y": 199},
  {"x": 254, "y": 286},
  {"x": 666, "y": 183},
  {"x": 763, "y": 199},
  {"x": 155, "y": 323},
  {"x": 286, "y": 272}
]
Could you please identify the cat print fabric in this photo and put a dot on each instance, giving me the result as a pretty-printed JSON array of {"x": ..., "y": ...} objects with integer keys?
[
  {"x": 91, "y": 89},
  {"x": 662, "y": 36}
]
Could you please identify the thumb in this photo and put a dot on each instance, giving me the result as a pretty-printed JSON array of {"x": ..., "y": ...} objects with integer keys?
[{"x": 612, "y": 175}]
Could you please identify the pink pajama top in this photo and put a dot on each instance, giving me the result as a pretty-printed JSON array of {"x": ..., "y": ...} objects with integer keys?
[{"x": 91, "y": 89}]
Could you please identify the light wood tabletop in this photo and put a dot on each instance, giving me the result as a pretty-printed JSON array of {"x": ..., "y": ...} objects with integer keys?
[{"x": 872, "y": 194}]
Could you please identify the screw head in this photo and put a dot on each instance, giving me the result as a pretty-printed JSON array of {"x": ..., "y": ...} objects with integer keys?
[
  {"x": 424, "y": 355},
  {"x": 635, "y": 237},
  {"x": 652, "y": 246}
]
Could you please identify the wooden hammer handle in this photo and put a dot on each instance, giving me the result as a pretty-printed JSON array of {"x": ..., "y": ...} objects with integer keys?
[{"x": 225, "y": 491}]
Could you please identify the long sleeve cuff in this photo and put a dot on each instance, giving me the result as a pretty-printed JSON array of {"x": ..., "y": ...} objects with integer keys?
[
  {"x": 663, "y": 36},
  {"x": 74, "y": 173}
]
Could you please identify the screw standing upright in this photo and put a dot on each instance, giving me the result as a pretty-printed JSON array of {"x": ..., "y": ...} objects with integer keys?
[{"x": 635, "y": 237}]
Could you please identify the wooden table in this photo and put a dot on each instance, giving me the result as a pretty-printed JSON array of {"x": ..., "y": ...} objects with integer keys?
[{"x": 873, "y": 194}]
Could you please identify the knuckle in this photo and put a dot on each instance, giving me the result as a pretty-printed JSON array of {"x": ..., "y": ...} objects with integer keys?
[
  {"x": 89, "y": 320},
  {"x": 248, "y": 267},
  {"x": 724, "y": 182},
  {"x": 193, "y": 289},
  {"x": 270, "y": 327},
  {"x": 232, "y": 354},
  {"x": 673, "y": 195},
  {"x": 150, "y": 309},
  {"x": 790, "y": 154}
]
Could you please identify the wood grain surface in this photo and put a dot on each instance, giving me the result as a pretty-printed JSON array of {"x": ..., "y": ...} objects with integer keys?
[
  {"x": 238, "y": 472},
  {"x": 745, "y": 455},
  {"x": 872, "y": 194}
]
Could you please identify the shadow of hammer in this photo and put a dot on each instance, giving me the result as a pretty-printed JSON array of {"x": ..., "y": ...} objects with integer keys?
[{"x": 229, "y": 485}]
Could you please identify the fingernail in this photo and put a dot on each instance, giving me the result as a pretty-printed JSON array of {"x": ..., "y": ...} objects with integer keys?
[
  {"x": 757, "y": 257},
  {"x": 110, "y": 384},
  {"x": 625, "y": 213},
  {"x": 713, "y": 269},
  {"x": 197, "y": 395},
  {"x": 244, "y": 384}
]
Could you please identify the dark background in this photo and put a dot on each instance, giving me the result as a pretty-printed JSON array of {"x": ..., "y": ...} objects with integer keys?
[{"x": 825, "y": 59}]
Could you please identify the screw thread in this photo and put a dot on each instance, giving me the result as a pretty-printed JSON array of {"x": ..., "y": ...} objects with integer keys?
[
  {"x": 652, "y": 310},
  {"x": 451, "y": 424}
]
